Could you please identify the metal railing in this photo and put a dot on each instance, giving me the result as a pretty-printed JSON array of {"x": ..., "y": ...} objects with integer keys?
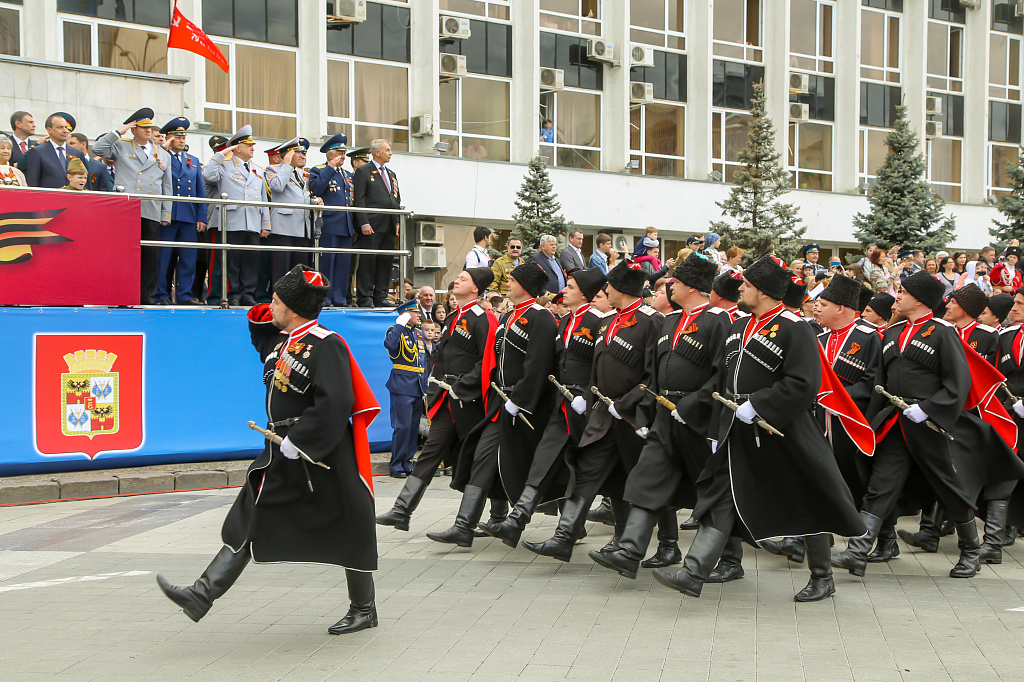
[{"x": 223, "y": 202}]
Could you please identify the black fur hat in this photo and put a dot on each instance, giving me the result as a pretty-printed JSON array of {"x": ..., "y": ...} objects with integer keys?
[
  {"x": 925, "y": 288},
  {"x": 589, "y": 281},
  {"x": 972, "y": 299},
  {"x": 728, "y": 287},
  {"x": 865, "y": 297},
  {"x": 882, "y": 305},
  {"x": 795, "y": 293},
  {"x": 482, "y": 278},
  {"x": 697, "y": 272},
  {"x": 770, "y": 278},
  {"x": 1000, "y": 305},
  {"x": 304, "y": 290},
  {"x": 530, "y": 277},
  {"x": 628, "y": 279},
  {"x": 843, "y": 290}
]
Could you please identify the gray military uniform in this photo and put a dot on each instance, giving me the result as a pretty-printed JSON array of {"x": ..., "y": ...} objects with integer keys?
[
  {"x": 288, "y": 186},
  {"x": 229, "y": 176},
  {"x": 140, "y": 172}
]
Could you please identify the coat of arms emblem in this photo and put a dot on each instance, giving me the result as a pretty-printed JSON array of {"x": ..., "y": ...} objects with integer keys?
[{"x": 89, "y": 393}]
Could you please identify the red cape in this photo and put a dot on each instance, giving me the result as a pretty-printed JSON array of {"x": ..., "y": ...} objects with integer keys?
[{"x": 833, "y": 397}]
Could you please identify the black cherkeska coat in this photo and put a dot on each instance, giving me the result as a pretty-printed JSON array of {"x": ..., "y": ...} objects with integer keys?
[
  {"x": 675, "y": 454},
  {"x": 985, "y": 342},
  {"x": 457, "y": 361},
  {"x": 308, "y": 379},
  {"x": 1012, "y": 368},
  {"x": 788, "y": 486}
]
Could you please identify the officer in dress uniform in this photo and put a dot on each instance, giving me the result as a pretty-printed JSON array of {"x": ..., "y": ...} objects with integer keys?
[
  {"x": 289, "y": 226},
  {"x": 207, "y": 259},
  {"x": 407, "y": 384},
  {"x": 332, "y": 183},
  {"x": 811, "y": 254},
  {"x": 232, "y": 172},
  {"x": 187, "y": 219},
  {"x": 142, "y": 168}
]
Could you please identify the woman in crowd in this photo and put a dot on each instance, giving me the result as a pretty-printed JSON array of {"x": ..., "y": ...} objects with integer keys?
[
  {"x": 960, "y": 262},
  {"x": 976, "y": 273},
  {"x": 732, "y": 260},
  {"x": 882, "y": 272},
  {"x": 9, "y": 175},
  {"x": 931, "y": 266},
  {"x": 947, "y": 274}
]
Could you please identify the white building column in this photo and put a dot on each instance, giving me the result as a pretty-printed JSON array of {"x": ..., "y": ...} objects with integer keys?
[
  {"x": 775, "y": 32},
  {"x": 191, "y": 66},
  {"x": 698, "y": 88},
  {"x": 424, "y": 69},
  {"x": 974, "y": 166},
  {"x": 525, "y": 85},
  {"x": 914, "y": 65},
  {"x": 312, "y": 72},
  {"x": 615, "y": 104},
  {"x": 845, "y": 132},
  {"x": 41, "y": 32}
]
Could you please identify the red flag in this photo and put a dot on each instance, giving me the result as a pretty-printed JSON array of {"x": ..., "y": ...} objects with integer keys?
[
  {"x": 490, "y": 360},
  {"x": 364, "y": 410},
  {"x": 185, "y": 35},
  {"x": 985, "y": 380},
  {"x": 833, "y": 397}
]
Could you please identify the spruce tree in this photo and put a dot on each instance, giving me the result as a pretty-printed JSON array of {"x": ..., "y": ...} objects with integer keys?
[
  {"x": 763, "y": 222},
  {"x": 904, "y": 210},
  {"x": 1011, "y": 206},
  {"x": 537, "y": 212}
]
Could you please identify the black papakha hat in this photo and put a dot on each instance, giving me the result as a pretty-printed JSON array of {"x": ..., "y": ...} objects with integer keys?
[
  {"x": 628, "y": 279},
  {"x": 727, "y": 286},
  {"x": 843, "y": 290},
  {"x": 304, "y": 290},
  {"x": 866, "y": 295},
  {"x": 770, "y": 278},
  {"x": 1000, "y": 305},
  {"x": 925, "y": 288},
  {"x": 589, "y": 281},
  {"x": 795, "y": 293},
  {"x": 482, "y": 278},
  {"x": 530, "y": 277},
  {"x": 971, "y": 298},
  {"x": 882, "y": 304},
  {"x": 697, "y": 272}
]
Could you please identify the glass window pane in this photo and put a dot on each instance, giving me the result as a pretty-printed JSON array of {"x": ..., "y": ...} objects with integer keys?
[
  {"x": 872, "y": 39},
  {"x": 1013, "y": 75},
  {"x": 815, "y": 150},
  {"x": 218, "y": 87},
  {"x": 485, "y": 107},
  {"x": 264, "y": 79},
  {"x": 825, "y": 41},
  {"x": 716, "y": 135},
  {"x": 480, "y": 148},
  {"x": 267, "y": 125},
  {"x": 938, "y": 35},
  {"x": 464, "y": 6},
  {"x": 997, "y": 48},
  {"x": 337, "y": 89},
  {"x": 132, "y": 50},
  {"x": 334, "y": 127},
  {"x": 634, "y": 128},
  {"x": 676, "y": 15},
  {"x": 579, "y": 119},
  {"x": 672, "y": 168},
  {"x": 877, "y": 150},
  {"x": 945, "y": 160},
  {"x": 754, "y": 26},
  {"x": 77, "y": 43},
  {"x": 10, "y": 34},
  {"x": 728, "y": 26},
  {"x": 251, "y": 22},
  {"x": 955, "y": 40},
  {"x": 892, "y": 60},
  {"x": 399, "y": 139},
  {"x": 803, "y": 26},
  {"x": 220, "y": 121},
  {"x": 579, "y": 158},
  {"x": 449, "y": 105},
  {"x": 737, "y": 128},
  {"x": 498, "y": 12},
  {"x": 218, "y": 17},
  {"x": 650, "y": 14},
  {"x": 381, "y": 94},
  {"x": 563, "y": 6},
  {"x": 1002, "y": 158},
  {"x": 814, "y": 181},
  {"x": 282, "y": 22},
  {"x": 665, "y": 129}
]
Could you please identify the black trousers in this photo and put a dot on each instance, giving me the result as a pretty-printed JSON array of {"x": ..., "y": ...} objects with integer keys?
[
  {"x": 150, "y": 261},
  {"x": 485, "y": 459},
  {"x": 205, "y": 260},
  {"x": 594, "y": 463},
  {"x": 442, "y": 440},
  {"x": 283, "y": 261},
  {"x": 374, "y": 272},
  {"x": 243, "y": 266}
]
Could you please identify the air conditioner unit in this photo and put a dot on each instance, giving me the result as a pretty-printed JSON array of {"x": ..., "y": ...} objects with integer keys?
[
  {"x": 453, "y": 65},
  {"x": 1018, "y": 8},
  {"x": 641, "y": 56},
  {"x": 641, "y": 93},
  {"x": 353, "y": 11},
  {"x": 430, "y": 257},
  {"x": 429, "y": 233},
  {"x": 622, "y": 243},
  {"x": 799, "y": 84},
  {"x": 421, "y": 126},
  {"x": 799, "y": 113},
  {"x": 933, "y": 106},
  {"x": 600, "y": 50},
  {"x": 454, "y": 28},
  {"x": 552, "y": 79},
  {"x": 932, "y": 129},
  {"x": 970, "y": 4}
]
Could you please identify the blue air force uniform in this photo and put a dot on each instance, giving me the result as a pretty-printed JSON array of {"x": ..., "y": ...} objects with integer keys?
[
  {"x": 186, "y": 181},
  {"x": 334, "y": 186},
  {"x": 408, "y": 385}
]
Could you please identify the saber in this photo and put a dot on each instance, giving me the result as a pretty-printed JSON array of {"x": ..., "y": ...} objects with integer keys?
[
  {"x": 904, "y": 405},
  {"x": 733, "y": 405},
  {"x": 274, "y": 438},
  {"x": 1006, "y": 388},
  {"x": 445, "y": 385},
  {"x": 600, "y": 396},
  {"x": 561, "y": 389},
  {"x": 662, "y": 400},
  {"x": 501, "y": 394}
]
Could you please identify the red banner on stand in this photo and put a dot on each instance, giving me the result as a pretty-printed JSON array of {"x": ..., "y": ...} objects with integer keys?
[{"x": 63, "y": 248}]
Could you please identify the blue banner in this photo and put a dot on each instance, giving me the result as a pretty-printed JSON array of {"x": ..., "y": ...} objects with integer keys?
[{"x": 99, "y": 388}]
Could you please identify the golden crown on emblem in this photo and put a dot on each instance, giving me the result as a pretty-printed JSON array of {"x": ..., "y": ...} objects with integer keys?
[{"x": 90, "y": 360}]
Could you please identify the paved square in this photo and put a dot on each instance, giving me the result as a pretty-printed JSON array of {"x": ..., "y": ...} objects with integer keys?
[{"x": 78, "y": 601}]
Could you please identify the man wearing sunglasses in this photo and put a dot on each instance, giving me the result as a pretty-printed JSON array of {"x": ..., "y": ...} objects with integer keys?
[{"x": 505, "y": 264}]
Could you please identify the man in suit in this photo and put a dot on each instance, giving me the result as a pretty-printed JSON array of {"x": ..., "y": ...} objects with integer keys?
[
  {"x": 99, "y": 179},
  {"x": 545, "y": 258},
  {"x": 232, "y": 172},
  {"x": 187, "y": 219},
  {"x": 376, "y": 186},
  {"x": 571, "y": 257},
  {"x": 333, "y": 184},
  {"x": 23, "y": 126},
  {"x": 46, "y": 164},
  {"x": 142, "y": 168},
  {"x": 289, "y": 226}
]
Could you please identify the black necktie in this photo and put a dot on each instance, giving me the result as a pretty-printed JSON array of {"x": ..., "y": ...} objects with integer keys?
[
  {"x": 63, "y": 157},
  {"x": 246, "y": 164},
  {"x": 110, "y": 169}
]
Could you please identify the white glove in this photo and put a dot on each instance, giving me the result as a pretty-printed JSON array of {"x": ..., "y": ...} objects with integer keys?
[
  {"x": 612, "y": 412},
  {"x": 915, "y": 414},
  {"x": 642, "y": 432},
  {"x": 511, "y": 408},
  {"x": 579, "y": 404},
  {"x": 1018, "y": 407},
  {"x": 746, "y": 414},
  {"x": 675, "y": 415},
  {"x": 289, "y": 450},
  {"x": 403, "y": 319}
]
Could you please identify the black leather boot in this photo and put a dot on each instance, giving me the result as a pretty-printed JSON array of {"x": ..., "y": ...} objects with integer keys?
[
  {"x": 548, "y": 508},
  {"x": 821, "y": 584},
  {"x": 636, "y": 536},
  {"x": 499, "y": 512},
  {"x": 405, "y": 505},
  {"x": 603, "y": 514},
  {"x": 927, "y": 538},
  {"x": 704, "y": 552},
  {"x": 221, "y": 574},
  {"x": 472, "y": 507},
  {"x": 970, "y": 551},
  {"x": 791, "y": 548},
  {"x": 855, "y": 558},
  {"x": 511, "y": 528},
  {"x": 1010, "y": 537},
  {"x": 995, "y": 531},
  {"x": 362, "y": 613},
  {"x": 691, "y": 523},
  {"x": 730, "y": 565},
  {"x": 560, "y": 545},
  {"x": 668, "y": 552},
  {"x": 886, "y": 547},
  {"x": 620, "y": 512}
]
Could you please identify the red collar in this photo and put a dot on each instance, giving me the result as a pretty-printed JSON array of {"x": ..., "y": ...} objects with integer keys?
[
  {"x": 685, "y": 319},
  {"x": 623, "y": 314},
  {"x": 756, "y": 324},
  {"x": 300, "y": 331},
  {"x": 912, "y": 328},
  {"x": 574, "y": 321},
  {"x": 518, "y": 311},
  {"x": 965, "y": 332},
  {"x": 836, "y": 339}
]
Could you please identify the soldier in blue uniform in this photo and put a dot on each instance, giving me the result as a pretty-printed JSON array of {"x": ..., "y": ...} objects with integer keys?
[
  {"x": 187, "y": 219},
  {"x": 333, "y": 184},
  {"x": 407, "y": 384}
]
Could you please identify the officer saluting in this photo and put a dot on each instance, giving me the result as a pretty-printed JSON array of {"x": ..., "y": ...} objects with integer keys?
[
  {"x": 407, "y": 384},
  {"x": 289, "y": 226},
  {"x": 332, "y": 183}
]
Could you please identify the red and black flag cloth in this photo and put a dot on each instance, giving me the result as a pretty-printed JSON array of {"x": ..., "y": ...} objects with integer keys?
[
  {"x": 833, "y": 397},
  {"x": 20, "y": 231}
]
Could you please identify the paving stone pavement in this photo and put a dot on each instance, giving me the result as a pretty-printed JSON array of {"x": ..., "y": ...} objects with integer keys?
[{"x": 78, "y": 601}]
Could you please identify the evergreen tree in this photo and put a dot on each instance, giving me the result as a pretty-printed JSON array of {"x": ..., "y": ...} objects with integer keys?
[
  {"x": 763, "y": 222},
  {"x": 904, "y": 210},
  {"x": 1011, "y": 206},
  {"x": 537, "y": 212}
]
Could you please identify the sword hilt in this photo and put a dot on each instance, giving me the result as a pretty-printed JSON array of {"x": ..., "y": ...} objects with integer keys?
[
  {"x": 660, "y": 399},
  {"x": 561, "y": 389}
]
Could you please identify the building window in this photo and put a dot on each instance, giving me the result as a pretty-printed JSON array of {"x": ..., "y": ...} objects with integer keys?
[
  {"x": 1004, "y": 122},
  {"x": 880, "y": 45},
  {"x": 260, "y": 90},
  {"x": 576, "y": 117},
  {"x": 384, "y": 34},
  {"x": 572, "y": 16},
  {"x": 732, "y": 84},
  {"x": 878, "y": 104},
  {"x": 1001, "y": 158},
  {"x": 729, "y": 132},
  {"x": 1004, "y": 67},
  {"x": 947, "y": 10},
  {"x": 1004, "y": 17},
  {"x": 737, "y": 29},
  {"x": 368, "y": 100},
  {"x": 262, "y": 21},
  {"x": 945, "y": 56},
  {"x": 952, "y": 116},
  {"x": 569, "y": 53},
  {"x": 488, "y": 50},
  {"x": 114, "y": 46},
  {"x": 495, "y": 9},
  {"x": 150, "y": 12},
  {"x": 668, "y": 75},
  {"x": 820, "y": 98},
  {"x": 811, "y": 35},
  {"x": 659, "y": 23},
  {"x": 871, "y": 154},
  {"x": 10, "y": 31},
  {"x": 656, "y": 138},
  {"x": 944, "y": 164},
  {"x": 810, "y": 155},
  {"x": 475, "y": 118}
]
